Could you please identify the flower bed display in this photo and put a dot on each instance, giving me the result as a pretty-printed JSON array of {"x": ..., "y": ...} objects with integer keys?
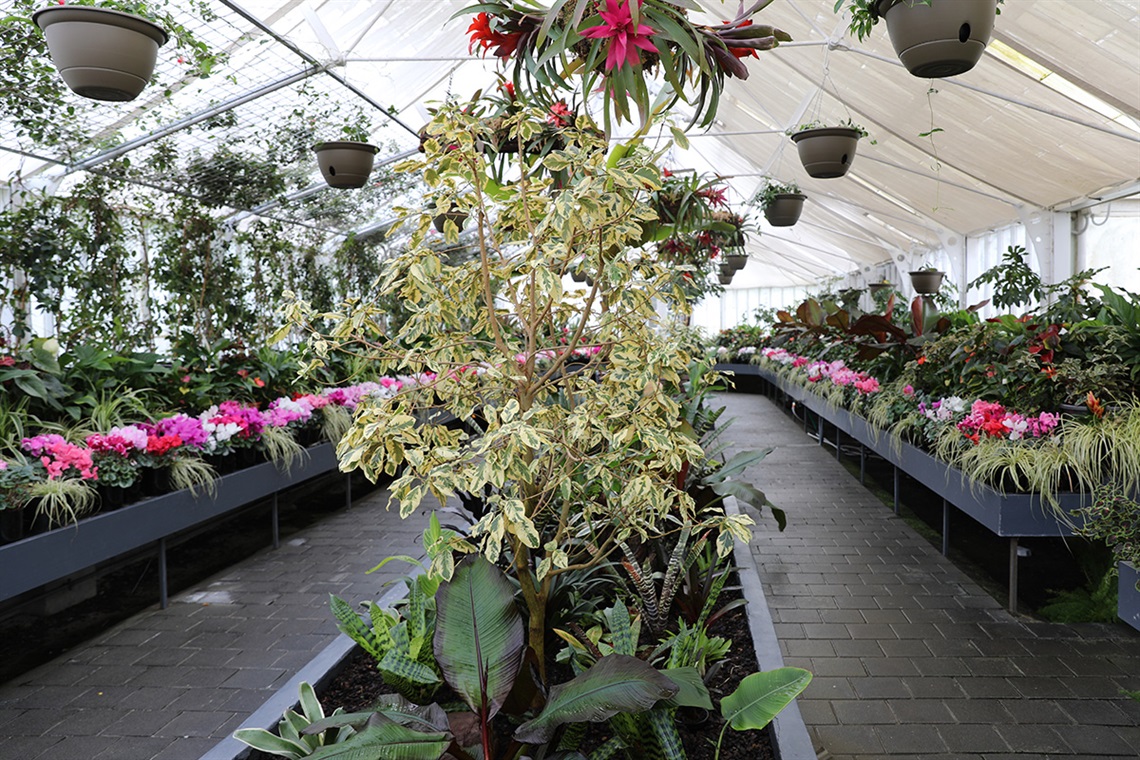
[{"x": 62, "y": 481}]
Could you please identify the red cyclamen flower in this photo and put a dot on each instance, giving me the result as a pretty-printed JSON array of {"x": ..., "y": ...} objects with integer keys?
[{"x": 625, "y": 39}]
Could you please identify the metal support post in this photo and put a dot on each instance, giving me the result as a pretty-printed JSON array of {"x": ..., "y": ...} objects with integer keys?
[
  {"x": 1013, "y": 556},
  {"x": 163, "y": 600},
  {"x": 348, "y": 490},
  {"x": 945, "y": 528},
  {"x": 862, "y": 465},
  {"x": 274, "y": 516},
  {"x": 838, "y": 444},
  {"x": 820, "y": 430},
  {"x": 896, "y": 478}
]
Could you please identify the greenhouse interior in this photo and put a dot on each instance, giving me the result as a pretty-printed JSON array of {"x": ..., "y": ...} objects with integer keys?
[{"x": 570, "y": 379}]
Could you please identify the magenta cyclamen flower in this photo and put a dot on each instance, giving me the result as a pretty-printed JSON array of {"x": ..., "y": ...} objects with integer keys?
[
  {"x": 625, "y": 39},
  {"x": 189, "y": 429}
]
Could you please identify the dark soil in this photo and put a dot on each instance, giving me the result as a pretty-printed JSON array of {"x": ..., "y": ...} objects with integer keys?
[
  {"x": 357, "y": 686},
  {"x": 130, "y": 585}
]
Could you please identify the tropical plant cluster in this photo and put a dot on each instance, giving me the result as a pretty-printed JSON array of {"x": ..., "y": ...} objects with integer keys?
[
  {"x": 615, "y": 47},
  {"x": 1044, "y": 401}
]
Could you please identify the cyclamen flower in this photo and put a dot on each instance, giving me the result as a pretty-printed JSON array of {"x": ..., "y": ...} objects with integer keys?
[
  {"x": 189, "y": 429},
  {"x": 159, "y": 445},
  {"x": 625, "y": 39},
  {"x": 57, "y": 456}
]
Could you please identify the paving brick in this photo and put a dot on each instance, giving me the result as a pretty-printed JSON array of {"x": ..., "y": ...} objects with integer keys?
[
  {"x": 911, "y": 738},
  {"x": 862, "y": 712},
  {"x": 973, "y": 738}
]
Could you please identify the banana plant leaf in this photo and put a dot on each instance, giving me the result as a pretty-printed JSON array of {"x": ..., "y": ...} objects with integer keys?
[
  {"x": 614, "y": 684},
  {"x": 383, "y": 739},
  {"x": 761, "y": 696},
  {"x": 479, "y": 637}
]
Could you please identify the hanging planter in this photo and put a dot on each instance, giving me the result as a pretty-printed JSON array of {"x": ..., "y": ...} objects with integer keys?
[
  {"x": 827, "y": 152},
  {"x": 785, "y": 209},
  {"x": 926, "y": 282},
  {"x": 100, "y": 53},
  {"x": 938, "y": 39},
  {"x": 725, "y": 274},
  {"x": 735, "y": 261},
  {"x": 345, "y": 164},
  {"x": 879, "y": 287},
  {"x": 455, "y": 215}
]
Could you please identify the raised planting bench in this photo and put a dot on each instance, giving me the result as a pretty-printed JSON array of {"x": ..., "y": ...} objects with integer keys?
[
  {"x": 1009, "y": 515},
  {"x": 48, "y": 557}
]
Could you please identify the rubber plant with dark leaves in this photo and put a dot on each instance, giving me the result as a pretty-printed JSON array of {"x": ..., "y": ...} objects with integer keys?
[
  {"x": 617, "y": 45},
  {"x": 480, "y": 645}
]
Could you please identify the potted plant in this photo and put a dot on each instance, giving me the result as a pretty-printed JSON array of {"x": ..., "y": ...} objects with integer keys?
[
  {"x": 346, "y": 163},
  {"x": 781, "y": 202},
  {"x": 1112, "y": 518},
  {"x": 933, "y": 38},
  {"x": 615, "y": 50},
  {"x": 827, "y": 152},
  {"x": 927, "y": 280},
  {"x": 101, "y": 53},
  {"x": 879, "y": 287}
]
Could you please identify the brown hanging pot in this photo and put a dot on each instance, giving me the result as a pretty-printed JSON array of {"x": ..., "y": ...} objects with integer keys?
[
  {"x": 100, "y": 53},
  {"x": 785, "y": 209},
  {"x": 827, "y": 152},
  {"x": 926, "y": 282},
  {"x": 940, "y": 38},
  {"x": 345, "y": 164}
]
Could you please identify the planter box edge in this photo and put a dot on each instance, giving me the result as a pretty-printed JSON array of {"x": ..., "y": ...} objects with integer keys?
[
  {"x": 789, "y": 730},
  {"x": 318, "y": 672}
]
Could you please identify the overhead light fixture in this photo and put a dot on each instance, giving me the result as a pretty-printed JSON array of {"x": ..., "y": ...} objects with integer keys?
[{"x": 1060, "y": 84}]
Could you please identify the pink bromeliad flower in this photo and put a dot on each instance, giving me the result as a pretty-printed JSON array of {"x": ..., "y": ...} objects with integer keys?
[{"x": 625, "y": 39}]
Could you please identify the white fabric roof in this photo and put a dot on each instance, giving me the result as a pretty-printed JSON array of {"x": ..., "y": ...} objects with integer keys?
[{"x": 1048, "y": 119}]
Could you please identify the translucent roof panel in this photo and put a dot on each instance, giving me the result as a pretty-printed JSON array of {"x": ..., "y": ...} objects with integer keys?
[{"x": 1049, "y": 118}]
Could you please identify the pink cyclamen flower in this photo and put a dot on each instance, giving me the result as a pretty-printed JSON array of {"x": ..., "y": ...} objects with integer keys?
[{"x": 625, "y": 39}]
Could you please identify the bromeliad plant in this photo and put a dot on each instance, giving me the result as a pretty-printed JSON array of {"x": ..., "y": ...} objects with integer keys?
[{"x": 616, "y": 46}]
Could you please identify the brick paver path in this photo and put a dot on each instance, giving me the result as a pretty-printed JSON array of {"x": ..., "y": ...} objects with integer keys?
[
  {"x": 911, "y": 658},
  {"x": 168, "y": 684}
]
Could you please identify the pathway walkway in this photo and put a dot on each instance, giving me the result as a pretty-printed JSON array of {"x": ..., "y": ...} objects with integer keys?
[
  {"x": 911, "y": 658},
  {"x": 168, "y": 684}
]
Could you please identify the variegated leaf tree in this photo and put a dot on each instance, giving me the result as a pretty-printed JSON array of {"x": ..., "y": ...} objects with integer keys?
[{"x": 574, "y": 459}]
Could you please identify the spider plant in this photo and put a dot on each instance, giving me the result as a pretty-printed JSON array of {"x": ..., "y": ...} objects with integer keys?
[
  {"x": 282, "y": 448},
  {"x": 62, "y": 501},
  {"x": 191, "y": 473}
]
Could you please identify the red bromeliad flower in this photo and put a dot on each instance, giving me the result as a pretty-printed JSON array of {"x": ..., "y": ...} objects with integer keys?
[
  {"x": 715, "y": 196},
  {"x": 743, "y": 52},
  {"x": 504, "y": 43},
  {"x": 625, "y": 39},
  {"x": 559, "y": 115}
]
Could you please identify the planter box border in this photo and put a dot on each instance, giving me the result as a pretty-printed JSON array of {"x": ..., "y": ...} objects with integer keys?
[
  {"x": 41, "y": 559},
  {"x": 1128, "y": 595}
]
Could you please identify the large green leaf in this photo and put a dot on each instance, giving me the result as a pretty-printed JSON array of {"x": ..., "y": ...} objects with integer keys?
[
  {"x": 761, "y": 696},
  {"x": 264, "y": 741},
  {"x": 691, "y": 689},
  {"x": 383, "y": 739},
  {"x": 479, "y": 637},
  {"x": 614, "y": 684}
]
